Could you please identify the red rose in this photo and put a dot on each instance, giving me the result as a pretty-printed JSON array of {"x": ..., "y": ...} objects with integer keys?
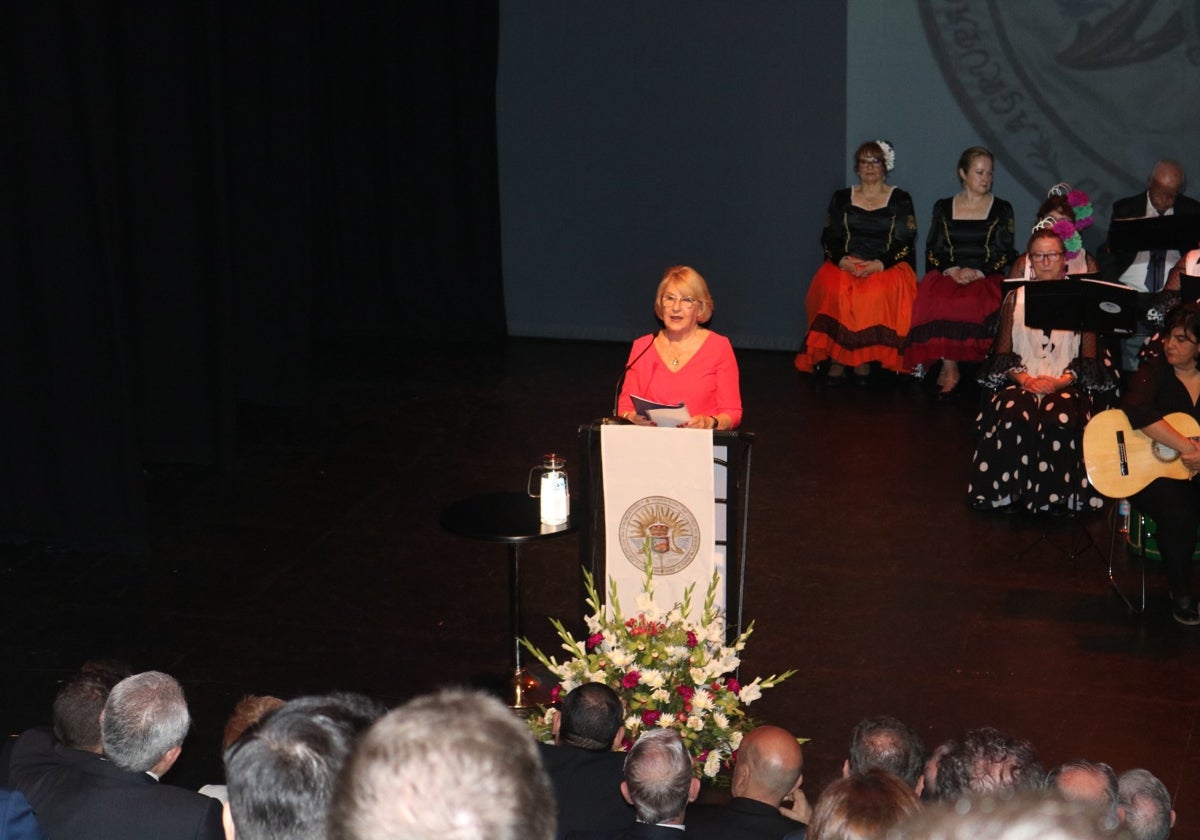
[
  {"x": 650, "y": 717},
  {"x": 554, "y": 692},
  {"x": 733, "y": 685},
  {"x": 594, "y": 640},
  {"x": 692, "y": 641},
  {"x": 685, "y": 691},
  {"x": 630, "y": 679}
]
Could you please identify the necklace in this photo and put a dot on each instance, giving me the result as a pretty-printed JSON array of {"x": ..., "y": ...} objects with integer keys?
[{"x": 681, "y": 350}]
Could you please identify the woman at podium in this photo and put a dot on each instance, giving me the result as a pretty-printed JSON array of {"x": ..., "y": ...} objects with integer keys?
[
  {"x": 1027, "y": 454},
  {"x": 1165, "y": 384},
  {"x": 684, "y": 362}
]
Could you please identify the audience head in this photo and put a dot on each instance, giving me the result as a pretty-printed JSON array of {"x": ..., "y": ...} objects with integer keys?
[
  {"x": 1164, "y": 185},
  {"x": 145, "y": 721},
  {"x": 1018, "y": 816},
  {"x": 454, "y": 765},
  {"x": 1086, "y": 781},
  {"x": 1146, "y": 805},
  {"x": 658, "y": 777},
  {"x": 769, "y": 765},
  {"x": 987, "y": 761},
  {"x": 248, "y": 711},
  {"x": 78, "y": 706},
  {"x": 929, "y": 788},
  {"x": 591, "y": 718},
  {"x": 685, "y": 281},
  {"x": 281, "y": 772},
  {"x": 890, "y": 745},
  {"x": 1187, "y": 316},
  {"x": 862, "y": 806}
]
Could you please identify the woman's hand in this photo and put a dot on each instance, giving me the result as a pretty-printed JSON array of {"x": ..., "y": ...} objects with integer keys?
[
  {"x": 856, "y": 267},
  {"x": 637, "y": 419},
  {"x": 700, "y": 421},
  {"x": 964, "y": 276},
  {"x": 1045, "y": 384}
]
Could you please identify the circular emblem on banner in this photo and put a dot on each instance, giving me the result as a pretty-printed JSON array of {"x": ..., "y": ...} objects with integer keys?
[
  {"x": 1088, "y": 93},
  {"x": 662, "y": 528}
]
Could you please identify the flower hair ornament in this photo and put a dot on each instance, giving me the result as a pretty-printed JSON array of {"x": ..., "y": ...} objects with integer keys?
[
  {"x": 1066, "y": 230},
  {"x": 889, "y": 154}
]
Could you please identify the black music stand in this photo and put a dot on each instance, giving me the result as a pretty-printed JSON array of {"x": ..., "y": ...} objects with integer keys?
[{"x": 1079, "y": 306}]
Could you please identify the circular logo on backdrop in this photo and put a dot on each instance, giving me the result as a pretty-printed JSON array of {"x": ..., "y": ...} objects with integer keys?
[
  {"x": 1090, "y": 93},
  {"x": 663, "y": 529}
]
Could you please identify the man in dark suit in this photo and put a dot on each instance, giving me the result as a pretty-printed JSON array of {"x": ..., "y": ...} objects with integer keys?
[
  {"x": 84, "y": 796},
  {"x": 659, "y": 784},
  {"x": 1146, "y": 271},
  {"x": 17, "y": 821},
  {"x": 769, "y": 770},
  {"x": 582, "y": 764}
]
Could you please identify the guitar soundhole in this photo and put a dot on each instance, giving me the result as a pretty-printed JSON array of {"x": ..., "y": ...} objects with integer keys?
[{"x": 1164, "y": 454}]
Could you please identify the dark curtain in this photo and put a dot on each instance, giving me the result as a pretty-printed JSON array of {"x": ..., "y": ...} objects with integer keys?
[{"x": 197, "y": 195}]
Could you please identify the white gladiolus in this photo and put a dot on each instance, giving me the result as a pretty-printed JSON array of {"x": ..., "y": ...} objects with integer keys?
[
  {"x": 735, "y": 739},
  {"x": 750, "y": 693}
]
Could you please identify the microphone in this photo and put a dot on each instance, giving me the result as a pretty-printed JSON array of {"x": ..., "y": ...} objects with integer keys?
[{"x": 615, "y": 419}]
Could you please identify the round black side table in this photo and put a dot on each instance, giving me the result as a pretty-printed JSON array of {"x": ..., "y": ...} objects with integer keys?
[{"x": 512, "y": 518}]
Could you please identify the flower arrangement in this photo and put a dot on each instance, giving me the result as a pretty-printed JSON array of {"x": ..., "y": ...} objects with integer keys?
[{"x": 668, "y": 671}]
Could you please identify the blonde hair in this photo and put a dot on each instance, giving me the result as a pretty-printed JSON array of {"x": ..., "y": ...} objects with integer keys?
[{"x": 692, "y": 284}]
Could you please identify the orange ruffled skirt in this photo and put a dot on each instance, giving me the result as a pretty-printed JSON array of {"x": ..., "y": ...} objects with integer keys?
[{"x": 855, "y": 320}]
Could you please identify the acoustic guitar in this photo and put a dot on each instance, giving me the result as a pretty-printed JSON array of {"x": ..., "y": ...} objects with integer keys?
[{"x": 1120, "y": 460}]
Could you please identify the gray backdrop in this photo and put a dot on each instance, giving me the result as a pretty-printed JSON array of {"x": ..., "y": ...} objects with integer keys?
[{"x": 634, "y": 136}]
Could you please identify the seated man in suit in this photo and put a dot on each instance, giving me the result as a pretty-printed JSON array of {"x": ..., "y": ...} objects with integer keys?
[
  {"x": 1088, "y": 781},
  {"x": 659, "y": 783},
  {"x": 78, "y": 706},
  {"x": 451, "y": 764},
  {"x": 582, "y": 764},
  {"x": 1145, "y": 805},
  {"x": 768, "y": 771},
  {"x": 83, "y": 796},
  {"x": 280, "y": 773},
  {"x": 1146, "y": 271}
]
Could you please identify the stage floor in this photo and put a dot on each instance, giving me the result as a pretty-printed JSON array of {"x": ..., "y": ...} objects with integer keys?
[{"x": 318, "y": 564}]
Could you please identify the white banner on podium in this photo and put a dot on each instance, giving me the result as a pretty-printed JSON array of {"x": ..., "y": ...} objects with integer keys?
[{"x": 658, "y": 503}]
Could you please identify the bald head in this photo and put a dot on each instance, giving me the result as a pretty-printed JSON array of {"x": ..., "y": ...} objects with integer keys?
[
  {"x": 769, "y": 765},
  {"x": 1165, "y": 184}
]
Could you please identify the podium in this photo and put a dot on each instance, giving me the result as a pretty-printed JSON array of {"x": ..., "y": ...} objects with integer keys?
[{"x": 731, "y": 464}]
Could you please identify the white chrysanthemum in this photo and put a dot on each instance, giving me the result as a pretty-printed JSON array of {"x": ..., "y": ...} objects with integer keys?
[
  {"x": 665, "y": 722},
  {"x": 699, "y": 675},
  {"x": 735, "y": 739},
  {"x": 712, "y": 764},
  {"x": 750, "y": 693},
  {"x": 651, "y": 678},
  {"x": 633, "y": 722},
  {"x": 621, "y": 659},
  {"x": 695, "y": 723},
  {"x": 660, "y": 695},
  {"x": 596, "y": 676},
  {"x": 702, "y": 700},
  {"x": 678, "y": 653},
  {"x": 721, "y": 720}
]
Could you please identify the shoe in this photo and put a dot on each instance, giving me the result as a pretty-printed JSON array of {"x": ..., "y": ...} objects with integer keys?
[{"x": 1184, "y": 611}]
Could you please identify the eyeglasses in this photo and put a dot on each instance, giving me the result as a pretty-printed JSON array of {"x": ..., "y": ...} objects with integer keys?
[
  {"x": 1047, "y": 257},
  {"x": 869, "y": 162},
  {"x": 669, "y": 301}
]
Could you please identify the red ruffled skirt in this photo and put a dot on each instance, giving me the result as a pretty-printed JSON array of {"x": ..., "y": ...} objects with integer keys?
[
  {"x": 952, "y": 321},
  {"x": 854, "y": 320}
]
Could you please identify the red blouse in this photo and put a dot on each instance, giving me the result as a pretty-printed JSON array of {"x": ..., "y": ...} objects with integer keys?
[{"x": 707, "y": 384}]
